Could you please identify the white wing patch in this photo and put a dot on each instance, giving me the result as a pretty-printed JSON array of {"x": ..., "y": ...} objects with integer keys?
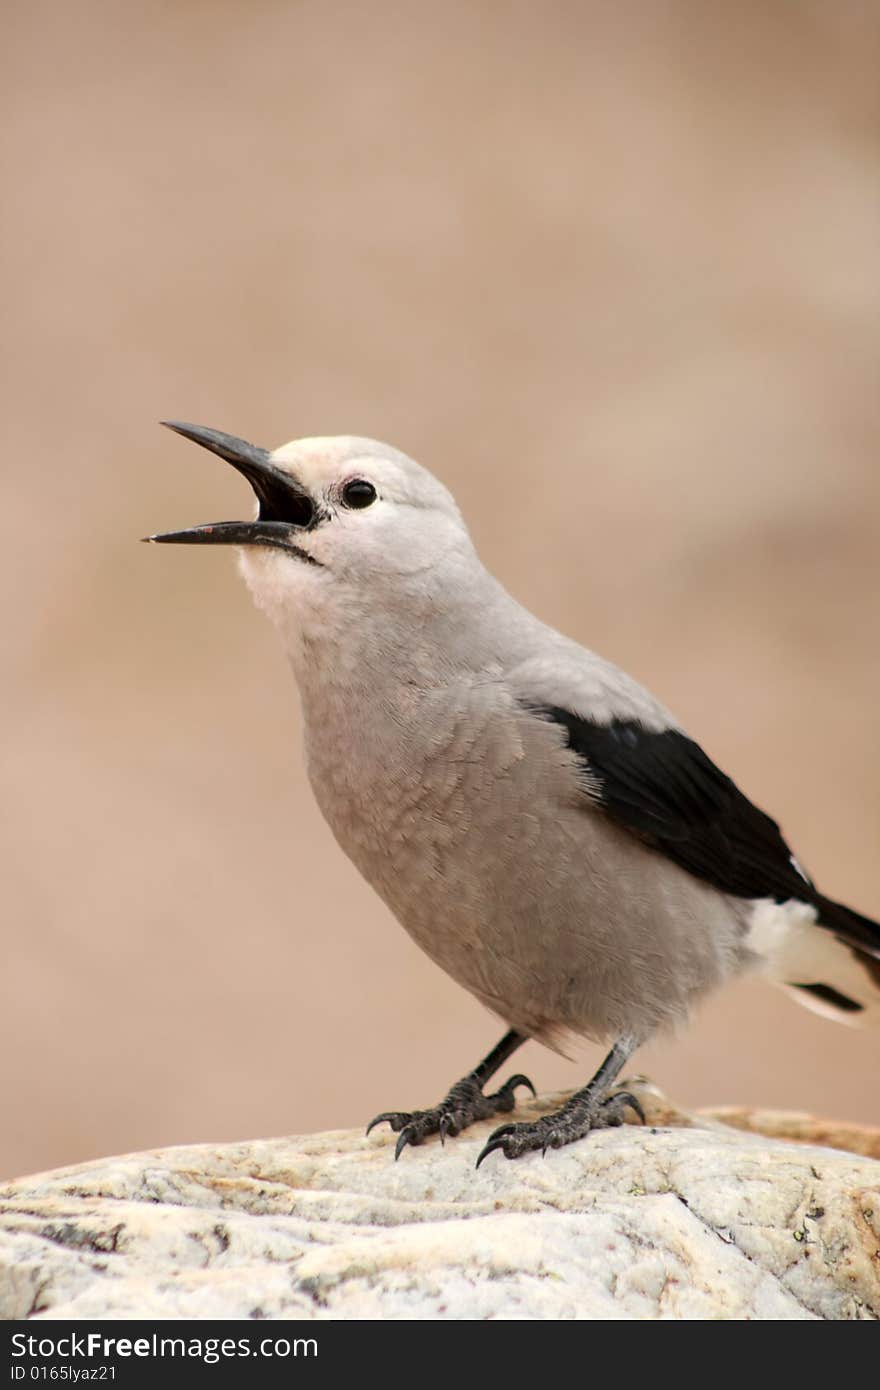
[{"x": 784, "y": 936}]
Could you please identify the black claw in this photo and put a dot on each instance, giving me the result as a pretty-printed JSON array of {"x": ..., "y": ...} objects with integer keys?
[
  {"x": 492, "y": 1145},
  {"x": 408, "y": 1135},
  {"x": 389, "y": 1115},
  {"x": 519, "y": 1080},
  {"x": 627, "y": 1098}
]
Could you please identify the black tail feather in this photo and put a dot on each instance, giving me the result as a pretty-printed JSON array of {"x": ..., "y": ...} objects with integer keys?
[{"x": 863, "y": 933}]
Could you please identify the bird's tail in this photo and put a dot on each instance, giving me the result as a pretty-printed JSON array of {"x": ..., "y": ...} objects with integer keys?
[
  {"x": 849, "y": 985},
  {"x": 860, "y": 932}
]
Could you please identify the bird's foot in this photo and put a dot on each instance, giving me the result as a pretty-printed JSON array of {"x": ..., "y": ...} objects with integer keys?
[
  {"x": 464, "y": 1104},
  {"x": 574, "y": 1120}
]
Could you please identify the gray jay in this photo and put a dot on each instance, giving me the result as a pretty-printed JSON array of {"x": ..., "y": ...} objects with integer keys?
[{"x": 537, "y": 821}]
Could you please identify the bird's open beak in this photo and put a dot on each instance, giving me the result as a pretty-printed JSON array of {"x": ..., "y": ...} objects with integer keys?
[{"x": 285, "y": 506}]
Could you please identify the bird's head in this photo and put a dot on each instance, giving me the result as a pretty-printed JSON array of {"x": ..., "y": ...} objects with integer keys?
[{"x": 337, "y": 519}]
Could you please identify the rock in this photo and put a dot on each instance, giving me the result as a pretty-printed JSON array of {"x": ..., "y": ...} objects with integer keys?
[{"x": 692, "y": 1220}]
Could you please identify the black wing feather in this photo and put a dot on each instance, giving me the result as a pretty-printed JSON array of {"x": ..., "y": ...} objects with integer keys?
[{"x": 663, "y": 787}]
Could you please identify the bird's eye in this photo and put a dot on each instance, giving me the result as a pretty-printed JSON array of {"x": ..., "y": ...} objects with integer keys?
[{"x": 358, "y": 493}]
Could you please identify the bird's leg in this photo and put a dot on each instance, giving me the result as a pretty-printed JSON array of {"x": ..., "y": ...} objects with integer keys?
[
  {"x": 594, "y": 1107},
  {"x": 465, "y": 1102}
]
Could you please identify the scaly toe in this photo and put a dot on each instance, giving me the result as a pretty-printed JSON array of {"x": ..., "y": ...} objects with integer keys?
[{"x": 450, "y": 1125}]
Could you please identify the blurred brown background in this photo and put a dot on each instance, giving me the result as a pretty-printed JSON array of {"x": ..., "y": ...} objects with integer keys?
[{"x": 612, "y": 272}]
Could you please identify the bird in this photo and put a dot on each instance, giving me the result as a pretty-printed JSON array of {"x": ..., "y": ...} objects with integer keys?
[{"x": 536, "y": 820}]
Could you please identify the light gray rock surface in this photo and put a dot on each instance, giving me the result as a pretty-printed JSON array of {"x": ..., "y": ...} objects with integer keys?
[{"x": 689, "y": 1220}]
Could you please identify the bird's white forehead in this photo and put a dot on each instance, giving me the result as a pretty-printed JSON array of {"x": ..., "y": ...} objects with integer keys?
[
  {"x": 318, "y": 463},
  {"x": 323, "y": 459}
]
